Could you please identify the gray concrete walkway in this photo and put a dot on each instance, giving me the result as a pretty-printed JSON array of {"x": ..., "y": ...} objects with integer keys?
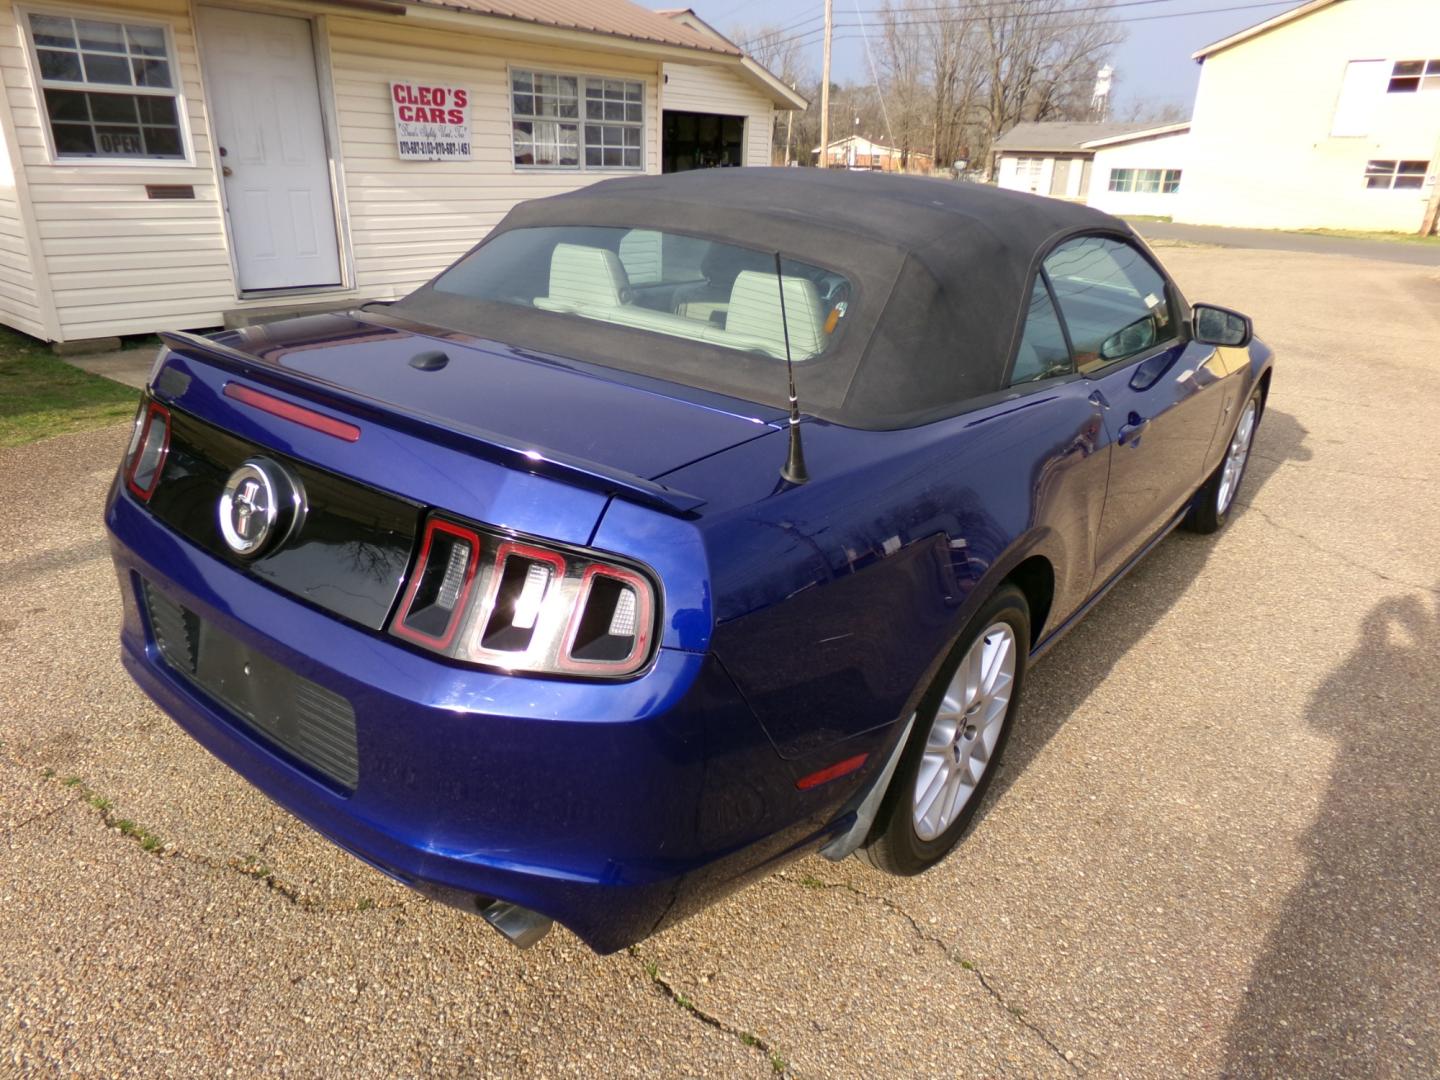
[
  {"x": 1416, "y": 254},
  {"x": 128, "y": 366}
]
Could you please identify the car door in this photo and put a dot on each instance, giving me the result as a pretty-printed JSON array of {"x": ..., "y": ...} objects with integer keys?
[{"x": 1123, "y": 322}]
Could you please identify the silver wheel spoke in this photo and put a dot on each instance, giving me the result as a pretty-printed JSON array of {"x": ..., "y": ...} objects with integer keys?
[
  {"x": 1235, "y": 458},
  {"x": 965, "y": 731}
]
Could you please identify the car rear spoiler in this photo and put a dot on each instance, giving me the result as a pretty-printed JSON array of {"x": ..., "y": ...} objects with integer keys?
[{"x": 486, "y": 444}]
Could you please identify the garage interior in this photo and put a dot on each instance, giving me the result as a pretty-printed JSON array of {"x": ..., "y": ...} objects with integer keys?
[{"x": 691, "y": 140}]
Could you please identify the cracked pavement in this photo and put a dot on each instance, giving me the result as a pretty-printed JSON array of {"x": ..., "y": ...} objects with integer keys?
[{"x": 1213, "y": 850}]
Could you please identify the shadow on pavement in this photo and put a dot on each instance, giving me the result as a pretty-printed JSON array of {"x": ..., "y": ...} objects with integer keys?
[
  {"x": 1343, "y": 986},
  {"x": 1061, "y": 683}
]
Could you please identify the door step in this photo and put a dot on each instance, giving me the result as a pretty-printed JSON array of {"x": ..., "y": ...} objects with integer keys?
[{"x": 236, "y": 318}]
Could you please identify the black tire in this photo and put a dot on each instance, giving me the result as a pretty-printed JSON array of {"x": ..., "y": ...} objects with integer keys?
[
  {"x": 894, "y": 845},
  {"x": 1206, "y": 514}
]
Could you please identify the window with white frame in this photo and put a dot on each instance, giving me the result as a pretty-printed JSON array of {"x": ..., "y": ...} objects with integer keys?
[
  {"x": 1396, "y": 174},
  {"x": 110, "y": 89},
  {"x": 1413, "y": 76},
  {"x": 1028, "y": 171},
  {"x": 1146, "y": 181},
  {"x": 577, "y": 121}
]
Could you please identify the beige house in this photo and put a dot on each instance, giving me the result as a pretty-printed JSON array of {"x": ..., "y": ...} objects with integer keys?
[
  {"x": 174, "y": 165},
  {"x": 1121, "y": 168},
  {"x": 858, "y": 152},
  {"x": 1326, "y": 116}
]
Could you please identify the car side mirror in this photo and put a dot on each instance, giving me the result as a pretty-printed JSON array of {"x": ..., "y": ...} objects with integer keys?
[{"x": 1211, "y": 325}]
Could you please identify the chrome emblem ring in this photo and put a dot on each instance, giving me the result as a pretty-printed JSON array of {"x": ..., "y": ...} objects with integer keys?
[{"x": 259, "y": 504}]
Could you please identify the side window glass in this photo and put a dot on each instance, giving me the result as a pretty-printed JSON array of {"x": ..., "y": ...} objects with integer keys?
[
  {"x": 1043, "y": 353},
  {"x": 1113, "y": 300}
]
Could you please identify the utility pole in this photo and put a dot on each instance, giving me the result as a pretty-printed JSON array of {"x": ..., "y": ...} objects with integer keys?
[
  {"x": 825, "y": 90},
  {"x": 1432, "y": 208}
]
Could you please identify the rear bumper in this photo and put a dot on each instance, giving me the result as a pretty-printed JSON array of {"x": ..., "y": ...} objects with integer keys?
[{"x": 591, "y": 803}]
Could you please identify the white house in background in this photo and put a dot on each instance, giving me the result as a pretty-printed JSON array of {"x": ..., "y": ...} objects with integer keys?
[
  {"x": 1120, "y": 168},
  {"x": 1326, "y": 116},
  {"x": 169, "y": 164},
  {"x": 858, "y": 152}
]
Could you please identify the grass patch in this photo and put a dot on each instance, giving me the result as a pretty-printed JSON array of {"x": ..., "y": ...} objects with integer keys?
[
  {"x": 41, "y": 395},
  {"x": 1362, "y": 234},
  {"x": 1162, "y": 218}
]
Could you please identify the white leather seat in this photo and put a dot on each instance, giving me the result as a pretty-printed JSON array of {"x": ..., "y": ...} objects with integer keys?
[
  {"x": 754, "y": 317},
  {"x": 583, "y": 279}
]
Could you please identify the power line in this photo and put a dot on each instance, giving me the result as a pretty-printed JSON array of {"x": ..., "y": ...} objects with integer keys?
[{"x": 968, "y": 19}]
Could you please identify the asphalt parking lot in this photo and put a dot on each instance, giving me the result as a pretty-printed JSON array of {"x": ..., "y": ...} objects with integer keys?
[{"x": 1214, "y": 849}]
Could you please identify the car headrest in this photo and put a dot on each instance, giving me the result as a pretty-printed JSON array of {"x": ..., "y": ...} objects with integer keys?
[
  {"x": 586, "y": 276},
  {"x": 755, "y": 313}
]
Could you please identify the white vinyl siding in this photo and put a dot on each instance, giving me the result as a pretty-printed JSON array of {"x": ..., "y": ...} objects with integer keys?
[
  {"x": 701, "y": 89},
  {"x": 119, "y": 262},
  {"x": 115, "y": 261},
  {"x": 19, "y": 301},
  {"x": 410, "y": 219}
]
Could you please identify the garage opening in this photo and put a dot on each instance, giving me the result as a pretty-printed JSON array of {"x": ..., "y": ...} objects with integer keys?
[{"x": 691, "y": 140}]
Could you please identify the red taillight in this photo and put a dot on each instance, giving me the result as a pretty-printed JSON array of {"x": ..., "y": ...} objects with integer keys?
[
  {"x": 434, "y": 602},
  {"x": 149, "y": 445},
  {"x": 524, "y": 606}
]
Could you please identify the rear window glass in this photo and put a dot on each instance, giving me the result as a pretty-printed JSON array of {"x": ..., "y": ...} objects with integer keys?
[{"x": 661, "y": 282}]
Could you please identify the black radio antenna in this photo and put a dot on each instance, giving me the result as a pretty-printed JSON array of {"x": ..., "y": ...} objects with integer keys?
[{"x": 794, "y": 469}]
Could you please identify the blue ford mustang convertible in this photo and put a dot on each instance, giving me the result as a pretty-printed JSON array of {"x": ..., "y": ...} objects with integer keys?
[{"x": 686, "y": 525}]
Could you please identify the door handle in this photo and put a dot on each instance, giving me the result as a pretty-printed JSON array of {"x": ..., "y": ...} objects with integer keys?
[{"x": 1130, "y": 433}]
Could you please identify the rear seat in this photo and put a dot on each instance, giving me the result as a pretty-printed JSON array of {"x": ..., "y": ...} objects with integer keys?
[{"x": 591, "y": 281}]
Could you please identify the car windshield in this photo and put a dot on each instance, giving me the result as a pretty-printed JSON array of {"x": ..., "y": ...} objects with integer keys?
[{"x": 661, "y": 282}]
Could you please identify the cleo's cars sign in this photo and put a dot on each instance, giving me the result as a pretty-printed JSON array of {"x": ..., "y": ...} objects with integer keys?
[{"x": 432, "y": 123}]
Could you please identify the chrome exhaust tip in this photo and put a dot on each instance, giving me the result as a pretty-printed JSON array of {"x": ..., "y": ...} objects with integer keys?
[{"x": 520, "y": 926}]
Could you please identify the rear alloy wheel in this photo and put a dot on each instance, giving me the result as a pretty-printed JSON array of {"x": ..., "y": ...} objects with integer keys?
[
  {"x": 955, "y": 745},
  {"x": 1211, "y": 508}
]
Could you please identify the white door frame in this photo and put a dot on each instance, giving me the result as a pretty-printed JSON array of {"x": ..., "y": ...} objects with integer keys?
[{"x": 329, "y": 121}]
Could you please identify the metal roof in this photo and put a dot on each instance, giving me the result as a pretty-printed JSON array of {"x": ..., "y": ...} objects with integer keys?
[
  {"x": 1062, "y": 135},
  {"x": 617, "y": 18}
]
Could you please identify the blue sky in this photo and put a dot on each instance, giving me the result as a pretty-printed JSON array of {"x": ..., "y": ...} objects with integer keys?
[{"x": 1152, "y": 65}]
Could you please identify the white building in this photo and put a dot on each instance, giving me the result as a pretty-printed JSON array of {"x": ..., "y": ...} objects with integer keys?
[
  {"x": 1327, "y": 116},
  {"x": 174, "y": 165},
  {"x": 1120, "y": 168}
]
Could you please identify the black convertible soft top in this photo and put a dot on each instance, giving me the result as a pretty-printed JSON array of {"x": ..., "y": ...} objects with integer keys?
[{"x": 941, "y": 270}]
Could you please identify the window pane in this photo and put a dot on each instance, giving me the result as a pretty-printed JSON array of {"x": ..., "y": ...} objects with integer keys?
[
  {"x": 636, "y": 113},
  {"x": 158, "y": 110},
  {"x": 1409, "y": 181},
  {"x": 632, "y": 136},
  {"x": 52, "y": 30},
  {"x": 592, "y": 156},
  {"x": 73, "y": 139},
  {"x": 67, "y": 105},
  {"x": 145, "y": 40},
  {"x": 113, "y": 109},
  {"x": 151, "y": 72},
  {"x": 1433, "y": 67},
  {"x": 632, "y": 159},
  {"x": 60, "y": 66},
  {"x": 1377, "y": 181},
  {"x": 520, "y": 82},
  {"x": 101, "y": 36},
  {"x": 1414, "y": 167},
  {"x": 1403, "y": 86},
  {"x": 1113, "y": 301},
  {"x": 612, "y": 158},
  {"x": 100, "y": 68},
  {"x": 1042, "y": 352},
  {"x": 1378, "y": 168},
  {"x": 1408, "y": 67},
  {"x": 524, "y": 104},
  {"x": 732, "y": 303}
]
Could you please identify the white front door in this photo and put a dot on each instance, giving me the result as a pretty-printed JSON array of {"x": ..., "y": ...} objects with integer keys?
[{"x": 265, "y": 105}]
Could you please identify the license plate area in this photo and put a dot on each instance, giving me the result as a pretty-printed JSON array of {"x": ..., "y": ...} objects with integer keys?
[{"x": 301, "y": 717}]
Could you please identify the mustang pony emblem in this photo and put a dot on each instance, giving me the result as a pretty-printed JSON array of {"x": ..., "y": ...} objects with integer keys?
[{"x": 258, "y": 505}]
